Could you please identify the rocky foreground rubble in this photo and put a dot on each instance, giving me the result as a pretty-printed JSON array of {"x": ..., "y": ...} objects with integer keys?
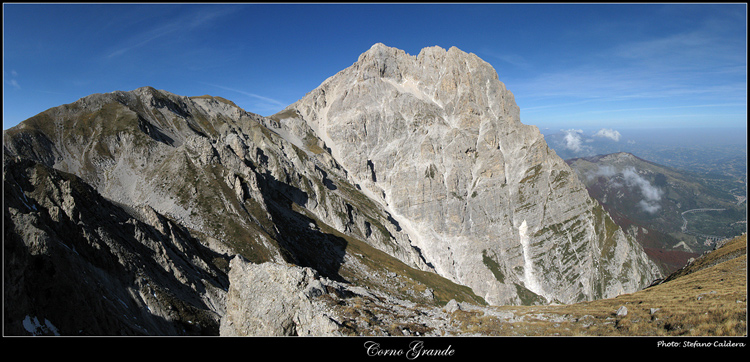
[{"x": 274, "y": 299}]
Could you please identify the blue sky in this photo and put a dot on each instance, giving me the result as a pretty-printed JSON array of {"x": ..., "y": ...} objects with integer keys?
[{"x": 568, "y": 65}]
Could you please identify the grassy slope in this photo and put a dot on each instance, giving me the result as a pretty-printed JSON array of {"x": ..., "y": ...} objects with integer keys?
[{"x": 707, "y": 298}]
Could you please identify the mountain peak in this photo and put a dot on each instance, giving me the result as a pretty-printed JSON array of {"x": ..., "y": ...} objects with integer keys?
[
  {"x": 622, "y": 157},
  {"x": 380, "y": 51},
  {"x": 380, "y": 46},
  {"x": 389, "y": 62},
  {"x": 392, "y": 117}
]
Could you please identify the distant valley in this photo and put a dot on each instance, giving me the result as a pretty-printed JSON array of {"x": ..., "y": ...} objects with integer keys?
[{"x": 677, "y": 195}]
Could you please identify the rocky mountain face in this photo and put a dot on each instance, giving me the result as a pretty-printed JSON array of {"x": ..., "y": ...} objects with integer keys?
[
  {"x": 436, "y": 139},
  {"x": 401, "y": 183}
]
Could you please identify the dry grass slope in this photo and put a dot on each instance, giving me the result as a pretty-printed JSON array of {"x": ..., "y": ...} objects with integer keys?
[{"x": 707, "y": 298}]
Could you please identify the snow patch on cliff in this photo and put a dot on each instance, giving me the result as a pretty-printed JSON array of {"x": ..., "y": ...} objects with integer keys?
[{"x": 529, "y": 277}]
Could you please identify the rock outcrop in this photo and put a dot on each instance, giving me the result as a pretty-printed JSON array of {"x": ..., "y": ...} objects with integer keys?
[{"x": 275, "y": 300}]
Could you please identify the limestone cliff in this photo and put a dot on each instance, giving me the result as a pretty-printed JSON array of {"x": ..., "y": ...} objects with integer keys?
[{"x": 437, "y": 140}]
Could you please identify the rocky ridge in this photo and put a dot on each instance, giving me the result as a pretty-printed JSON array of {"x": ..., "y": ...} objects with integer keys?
[
  {"x": 373, "y": 201},
  {"x": 156, "y": 171}
]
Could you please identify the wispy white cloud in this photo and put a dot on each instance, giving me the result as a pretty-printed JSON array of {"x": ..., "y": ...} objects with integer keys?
[
  {"x": 686, "y": 106},
  {"x": 556, "y": 105},
  {"x": 606, "y": 171},
  {"x": 513, "y": 59},
  {"x": 573, "y": 140},
  {"x": 12, "y": 81},
  {"x": 183, "y": 23},
  {"x": 268, "y": 100},
  {"x": 608, "y": 133},
  {"x": 701, "y": 67},
  {"x": 598, "y": 83},
  {"x": 651, "y": 194},
  {"x": 704, "y": 48}
]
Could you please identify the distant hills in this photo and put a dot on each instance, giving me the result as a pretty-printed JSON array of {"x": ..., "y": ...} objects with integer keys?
[
  {"x": 711, "y": 152},
  {"x": 676, "y": 215}
]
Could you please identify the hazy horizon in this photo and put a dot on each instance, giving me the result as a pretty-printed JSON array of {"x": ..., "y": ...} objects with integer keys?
[{"x": 670, "y": 135}]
